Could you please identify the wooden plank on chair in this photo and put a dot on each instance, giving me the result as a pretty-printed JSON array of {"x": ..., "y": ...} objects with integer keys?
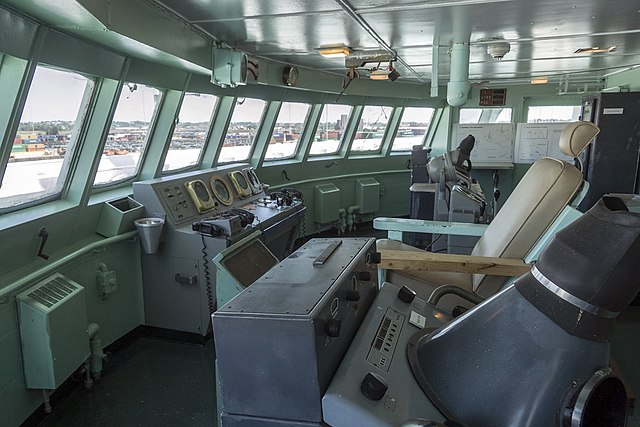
[{"x": 428, "y": 261}]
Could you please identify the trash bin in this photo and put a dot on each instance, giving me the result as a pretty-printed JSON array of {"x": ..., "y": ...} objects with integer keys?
[{"x": 150, "y": 230}]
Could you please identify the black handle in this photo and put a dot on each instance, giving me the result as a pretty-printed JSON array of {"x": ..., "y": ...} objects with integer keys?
[
  {"x": 186, "y": 280},
  {"x": 44, "y": 234}
]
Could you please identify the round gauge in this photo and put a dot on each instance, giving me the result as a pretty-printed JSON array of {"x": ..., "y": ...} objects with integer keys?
[
  {"x": 240, "y": 184},
  {"x": 201, "y": 191},
  {"x": 290, "y": 76},
  {"x": 221, "y": 190},
  {"x": 242, "y": 181}
]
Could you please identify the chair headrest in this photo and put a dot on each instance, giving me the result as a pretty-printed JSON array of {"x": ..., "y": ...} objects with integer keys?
[{"x": 576, "y": 136}]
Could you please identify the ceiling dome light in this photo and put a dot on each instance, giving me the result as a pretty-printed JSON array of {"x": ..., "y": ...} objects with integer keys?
[{"x": 499, "y": 49}]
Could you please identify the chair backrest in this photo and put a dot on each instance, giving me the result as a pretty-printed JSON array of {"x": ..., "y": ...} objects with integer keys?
[{"x": 547, "y": 187}]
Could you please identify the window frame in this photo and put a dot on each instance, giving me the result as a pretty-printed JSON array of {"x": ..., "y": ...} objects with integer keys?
[
  {"x": 259, "y": 129},
  {"x": 483, "y": 109},
  {"x": 341, "y": 144},
  {"x": 80, "y": 128},
  {"x": 147, "y": 140},
  {"x": 385, "y": 135},
  {"x": 426, "y": 133},
  {"x": 214, "y": 113},
  {"x": 303, "y": 131}
]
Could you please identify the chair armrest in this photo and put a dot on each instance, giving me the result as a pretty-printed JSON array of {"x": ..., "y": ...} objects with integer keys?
[
  {"x": 426, "y": 226},
  {"x": 428, "y": 261},
  {"x": 443, "y": 290}
]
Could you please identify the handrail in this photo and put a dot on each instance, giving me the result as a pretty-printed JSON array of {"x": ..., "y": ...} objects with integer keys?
[
  {"x": 48, "y": 269},
  {"x": 337, "y": 177},
  {"x": 428, "y": 226}
]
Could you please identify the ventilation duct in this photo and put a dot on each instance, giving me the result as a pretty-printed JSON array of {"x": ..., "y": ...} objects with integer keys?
[{"x": 458, "y": 85}]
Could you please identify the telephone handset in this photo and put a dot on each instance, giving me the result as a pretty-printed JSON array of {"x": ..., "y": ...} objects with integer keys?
[
  {"x": 246, "y": 217},
  {"x": 296, "y": 194},
  {"x": 207, "y": 228}
]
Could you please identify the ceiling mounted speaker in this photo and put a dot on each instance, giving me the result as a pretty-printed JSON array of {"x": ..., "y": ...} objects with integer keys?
[{"x": 538, "y": 351}]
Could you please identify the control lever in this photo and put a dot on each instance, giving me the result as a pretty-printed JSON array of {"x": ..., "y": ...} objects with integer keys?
[
  {"x": 44, "y": 234},
  {"x": 281, "y": 198},
  {"x": 293, "y": 193},
  {"x": 496, "y": 192}
]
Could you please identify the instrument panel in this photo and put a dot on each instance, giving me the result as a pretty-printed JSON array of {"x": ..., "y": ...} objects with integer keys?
[
  {"x": 240, "y": 184},
  {"x": 221, "y": 190},
  {"x": 196, "y": 195},
  {"x": 200, "y": 195}
]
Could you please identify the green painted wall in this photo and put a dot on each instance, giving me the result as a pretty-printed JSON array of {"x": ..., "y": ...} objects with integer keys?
[
  {"x": 117, "y": 315},
  {"x": 629, "y": 78}
]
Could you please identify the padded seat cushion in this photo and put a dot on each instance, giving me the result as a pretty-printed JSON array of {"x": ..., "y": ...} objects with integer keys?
[{"x": 547, "y": 187}]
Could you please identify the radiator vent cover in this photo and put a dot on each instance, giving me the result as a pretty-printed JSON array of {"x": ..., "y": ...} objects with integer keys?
[
  {"x": 53, "y": 291},
  {"x": 326, "y": 203},
  {"x": 53, "y": 331},
  {"x": 368, "y": 195}
]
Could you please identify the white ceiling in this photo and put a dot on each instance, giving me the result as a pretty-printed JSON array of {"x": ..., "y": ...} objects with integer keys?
[{"x": 543, "y": 33}]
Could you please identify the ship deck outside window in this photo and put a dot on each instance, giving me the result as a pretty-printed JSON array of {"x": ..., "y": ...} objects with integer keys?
[
  {"x": 128, "y": 134},
  {"x": 45, "y": 140},
  {"x": 191, "y": 131},
  {"x": 243, "y": 128},
  {"x": 331, "y": 129},
  {"x": 414, "y": 126},
  {"x": 287, "y": 132}
]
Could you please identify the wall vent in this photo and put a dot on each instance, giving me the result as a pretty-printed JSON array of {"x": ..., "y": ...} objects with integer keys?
[
  {"x": 53, "y": 331},
  {"x": 368, "y": 195},
  {"x": 326, "y": 203}
]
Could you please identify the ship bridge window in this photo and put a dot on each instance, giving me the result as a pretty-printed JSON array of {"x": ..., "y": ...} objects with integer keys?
[
  {"x": 242, "y": 130},
  {"x": 553, "y": 113},
  {"x": 371, "y": 128},
  {"x": 190, "y": 132},
  {"x": 128, "y": 133},
  {"x": 287, "y": 131},
  {"x": 331, "y": 128},
  {"x": 485, "y": 115},
  {"x": 45, "y": 140},
  {"x": 413, "y": 129}
]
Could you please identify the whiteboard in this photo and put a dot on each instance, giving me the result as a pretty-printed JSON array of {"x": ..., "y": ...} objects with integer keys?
[
  {"x": 494, "y": 142},
  {"x": 537, "y": 140}
]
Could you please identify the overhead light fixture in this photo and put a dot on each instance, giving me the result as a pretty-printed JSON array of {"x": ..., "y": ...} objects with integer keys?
[
  {"x": 539, "y": 80},
  {"x": 335, "y": 52},
  {"x": 388, "y": 73},
  {"x": 379, "y": 75},
  {"x": 596, "y": 49}
]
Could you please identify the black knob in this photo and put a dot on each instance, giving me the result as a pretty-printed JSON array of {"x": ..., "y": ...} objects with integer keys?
[
  {"x": 406, "y": 295},
  {"x": 363, "y": 276},
  {"x": 332, "y": 327},
  {"x": 373, "y": 386},
  {"x": 353, "y": 295}
]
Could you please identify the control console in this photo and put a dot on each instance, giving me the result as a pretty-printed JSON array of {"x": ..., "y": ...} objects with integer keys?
[
  {"x": 374, "y": 385},
  {"x": 280, "y": 341}
]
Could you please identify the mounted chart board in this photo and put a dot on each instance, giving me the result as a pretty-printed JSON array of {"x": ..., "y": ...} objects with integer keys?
[
  {"x": 537, "y": 140},
  {"x": 494, "y": 143}
]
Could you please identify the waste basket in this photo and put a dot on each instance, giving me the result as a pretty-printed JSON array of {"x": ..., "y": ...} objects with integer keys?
[{"x": 150, "y": 230}]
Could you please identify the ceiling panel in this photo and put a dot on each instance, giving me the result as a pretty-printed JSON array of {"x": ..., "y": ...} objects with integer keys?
[
  {"x": 206, "y": 10},
  {"x": 543, "y": 33}
]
